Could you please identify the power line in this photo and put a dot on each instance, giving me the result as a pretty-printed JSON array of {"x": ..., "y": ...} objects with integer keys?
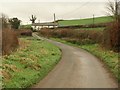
[{"x": 73, "y": 11}]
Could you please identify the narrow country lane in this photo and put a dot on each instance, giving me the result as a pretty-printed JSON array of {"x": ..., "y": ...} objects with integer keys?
[{"x": 77, "y": 69}]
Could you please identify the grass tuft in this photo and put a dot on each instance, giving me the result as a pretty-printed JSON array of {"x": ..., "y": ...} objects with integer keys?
[{"x": 30, "y": 63}]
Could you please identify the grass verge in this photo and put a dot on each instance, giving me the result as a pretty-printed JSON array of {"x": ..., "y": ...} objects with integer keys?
[
  {"x": 30, "y": 63},
  {"x": 99, "y": 28},
  {"x": 110, "y": 58}
]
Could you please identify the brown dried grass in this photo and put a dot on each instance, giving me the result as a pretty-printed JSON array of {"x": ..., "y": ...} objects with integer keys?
[{"x": 9, "y": 41}]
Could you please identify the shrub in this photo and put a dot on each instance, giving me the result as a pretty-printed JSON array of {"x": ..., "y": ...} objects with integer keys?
[
  {"x": 24, "y": 32},
  {"x": 0, "y": 42},
  {"x": 15, "y": 23},
  {"x": 111, "y": 36},
  {"x": 115, "y": 36},
  {"x": 9, "y": 41},
  {"x": 74, "y": 36}
]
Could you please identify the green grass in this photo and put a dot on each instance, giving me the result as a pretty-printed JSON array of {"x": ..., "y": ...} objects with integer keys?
[
  {"x": 28, "y": 26},
  {"x": 97, "y": 20},
  {"x": 29, "y": 64},
  {"x": 99, "y": 28},
  {"x": 110, "y": 58}
]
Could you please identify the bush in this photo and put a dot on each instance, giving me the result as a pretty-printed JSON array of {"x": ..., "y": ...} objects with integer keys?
[
  {"x": 112, "y": 36},
  {"x": 109, "y": 37},
  {"x": 9, "y": 41},
  {"x": 115, "y": 36},
  {"x": 74, "y": 36},
  {"x": 24, "y": 32},
  {"x": 0, "y": 42}
]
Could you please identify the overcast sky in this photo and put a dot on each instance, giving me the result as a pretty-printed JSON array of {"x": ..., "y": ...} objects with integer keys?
[{"x": 44, "y": 9}]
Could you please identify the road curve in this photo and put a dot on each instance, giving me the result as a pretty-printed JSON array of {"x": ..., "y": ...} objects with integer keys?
[{"x": 77, "y": 69}]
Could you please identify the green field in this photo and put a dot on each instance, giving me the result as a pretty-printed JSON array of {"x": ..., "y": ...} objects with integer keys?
[
  {"x": 30, "y": 63},
  {"x": 97, "y": 20},
  {"x": 28, "y": 26}
]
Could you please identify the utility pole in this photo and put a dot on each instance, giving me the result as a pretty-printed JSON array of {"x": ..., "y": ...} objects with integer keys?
[
  {"x": 38, "y": 21},
  {"x": 93, "y": 20},
  {"x": 54, "y": 20},
  {"x": 54, "y": 17}
]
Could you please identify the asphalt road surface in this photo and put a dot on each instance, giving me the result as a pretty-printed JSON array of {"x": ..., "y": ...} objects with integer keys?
[{"x": 77, "y": 69}]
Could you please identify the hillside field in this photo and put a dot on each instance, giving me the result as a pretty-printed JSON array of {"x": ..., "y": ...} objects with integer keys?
[{"x": 86, "y": 21}]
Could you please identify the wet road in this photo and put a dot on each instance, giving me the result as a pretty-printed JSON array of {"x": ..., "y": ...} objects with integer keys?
[{"x": 77, "y": 69}]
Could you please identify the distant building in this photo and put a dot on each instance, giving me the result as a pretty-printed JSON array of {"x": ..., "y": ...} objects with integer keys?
[{"x": 38, "y": 26}]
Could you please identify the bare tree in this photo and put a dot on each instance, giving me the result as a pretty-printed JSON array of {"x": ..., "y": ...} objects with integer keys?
[
  {"x": 114, "y": 9},
  {"x": 4, "y": 21},
  {"x": 33, "y": 18},
  {"x": 113, "y": 30}
]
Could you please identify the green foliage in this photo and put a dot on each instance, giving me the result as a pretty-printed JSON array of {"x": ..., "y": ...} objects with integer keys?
[
  {"x": 85, "y": 21},
  {"x": 29, "y": 65},
  {"x": 15, "y": 23}
]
